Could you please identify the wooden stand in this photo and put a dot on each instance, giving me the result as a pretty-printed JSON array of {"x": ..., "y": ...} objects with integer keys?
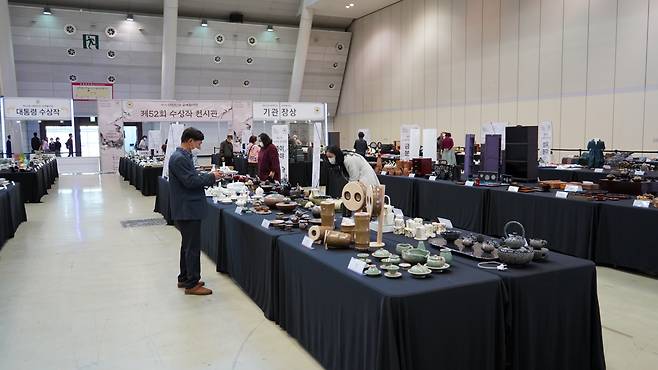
[{"x": 380, "y": 222}]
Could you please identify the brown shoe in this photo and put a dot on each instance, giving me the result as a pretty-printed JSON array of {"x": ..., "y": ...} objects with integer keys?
[
  {"x": 182, "y": 285},
  {"x": 198, "y": 290}
]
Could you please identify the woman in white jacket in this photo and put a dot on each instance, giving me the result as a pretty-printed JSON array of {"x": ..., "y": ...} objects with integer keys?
[{"x": 352, "y": 166}]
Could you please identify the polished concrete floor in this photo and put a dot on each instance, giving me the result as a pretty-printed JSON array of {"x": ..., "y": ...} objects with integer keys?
[{"x": 79, "y": 291}]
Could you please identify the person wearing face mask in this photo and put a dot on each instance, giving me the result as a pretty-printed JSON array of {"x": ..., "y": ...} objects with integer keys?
[
  {"x": 268, "y": 160},
  {"x": 188, "y": 206},
  {"x": 352, "y": 165},
  {"x": 226, "y": 150},
  {"x": 252, "y": 156}
]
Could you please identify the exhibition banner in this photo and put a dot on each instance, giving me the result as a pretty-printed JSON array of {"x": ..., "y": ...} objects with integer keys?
[
  {"x": 173, "y": 141},
  {"x": 414, "y": 142},
  {"x": 288, "y": 111},
  {"x": 176, "y": 110},
  {"x": 280, "y": 139},
  {"x": 37, "y": 109},
  {"x": 110, "y": 131},
  {"x": 317, "y": 142},
  {"x": 409, "y": 142},
  {"x": 493, "y": 128},
  {"x": 429, "y": 143},
  {"x": 241, "y": 123},
  {"x": 545, "y": 141},
  {"x": 266, "y": 111},
  {"x": 155, "y": 141},
  {"x": 86, "y": 91}
]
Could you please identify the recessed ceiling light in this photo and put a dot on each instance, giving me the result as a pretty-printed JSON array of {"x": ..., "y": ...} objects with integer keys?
[
  {"x": 46, "y": 10},
  {"x": 129, "y": 17},
  {"x": 351, "y": 4},
  {"x": 347, "y": 6},
  {"x": 204, "y": 23}
]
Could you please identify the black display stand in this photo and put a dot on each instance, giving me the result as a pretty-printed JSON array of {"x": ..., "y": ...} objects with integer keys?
[{"x": 521, "y": 153}]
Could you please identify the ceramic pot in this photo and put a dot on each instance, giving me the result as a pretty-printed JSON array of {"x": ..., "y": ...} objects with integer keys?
[
  {"x": 361, "y": 230},
  {"x": 317, "y": 232},
  {"x": 415, "y": 255},
  {"x": 451, "y": 235},
  {"x": 287, "y": 207},
  {"x": 518, "y": 256},
  {"x": 435, "y": 261},
  {"x": 446, "y": 253},
  {"x": 327, "y": 213},
  {"x": 337, "y": 240},
  {"x": 513, "y": 240},
  {"x": 272, "y": 199},
  {"x": 540, "y": 254},
  {"x": 401, "y": 247},
  {"x": 538, "y": 243}
]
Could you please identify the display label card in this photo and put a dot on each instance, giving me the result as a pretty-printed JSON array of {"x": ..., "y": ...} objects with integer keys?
[
  {"x": 13, "y": 183},
  {"x": 265, "y": 223},
  {"x": 641, "y": 203},
  {"x": 383, "y": 173},
  {"x": 215, "y": 200},
  {"x": 412, "y": 175},
  {"x": 513, "y": 189},
  {"x": 446, "y": 222},
  {"x": 606, "y": 167},
  {"x": 432, "y": 178},
  {"x": 3, "y": 187},
  {"x": 573, "y": 188},
  {"x": 238, "y": 210},
  {"x": 561, "y": 194},
  {"x": 356, "y": 265},
  {"x": 598, "y": 170},
  {"x": 469, "y": 183},
  {"x": 639, "y": 173},
  {"x": 397, "y": 212},
  {"x": 307, "y": 242},
  {"x": 588, "y": 183}
]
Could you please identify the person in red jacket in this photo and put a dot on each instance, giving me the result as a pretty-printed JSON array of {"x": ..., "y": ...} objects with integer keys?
[
  {"x": 448, "y": 151},
  {"x": 268, "y": 159}
]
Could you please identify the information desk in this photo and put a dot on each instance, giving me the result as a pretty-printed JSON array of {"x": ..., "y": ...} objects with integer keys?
[
  {"x": 350, "y": 321},
  {"x": 34, "y": 184},
  {"x": 551, "y": 311},
  {"x": 12, "y": 211}
]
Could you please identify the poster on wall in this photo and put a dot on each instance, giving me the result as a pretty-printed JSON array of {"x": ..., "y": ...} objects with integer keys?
[
  {"x": 317, "y": 142},
  {"x": 366, "y": 134},
  {"x": 493, "y": 128},
  {"x": 429, "y": 143},
  {"x": 280, "y": 139},
  {"x": 242, "y": 123},
  {"x": 175, "y": 133},
  {"x": 87, "y": 91},
  {"x": 176, "y": 110},
  {"x": 110, "y": 131},
  {"x": 545, "y": 142},
  {"x": 37, "y": 109}
]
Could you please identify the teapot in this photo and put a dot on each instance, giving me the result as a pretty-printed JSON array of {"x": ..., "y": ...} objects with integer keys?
[
  {"x": 389, "y": 216},
  {"x": 514, "y": 240}
]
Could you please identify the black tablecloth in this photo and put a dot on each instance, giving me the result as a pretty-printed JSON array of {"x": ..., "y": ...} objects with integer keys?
[
  {"x": 162, "y": 200},
  {"x": 625, "y": 237},
  {"x": 463, "y": 206},
  {"x": 579, "y": 175},
  {"x": 123, "y": 165},
  {"x": 350, "y": 321},
  {"x": 148, "y": 179},
  {"x": 251, "y": 257},
  {"x": 552, "y": 307},
  {"x": 401, "y": 190},
  {"x": 34, "y": 184},
  {"x": 567, "y": 224},
  {"x": 12, "y": 212},
  {"x": 211, "y": 233}
]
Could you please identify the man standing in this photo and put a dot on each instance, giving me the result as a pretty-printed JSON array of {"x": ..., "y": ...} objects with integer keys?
[
  {"x": 69, "y": 145},
  {"x": 360, "y": 145},
  {"x": 35, "y": 143},
  {"x": 9, "y": 151},
  {"x": 226, "y": 150},
  {"x": 188, "y": 207},
  {"x": 58, "y": 147}
]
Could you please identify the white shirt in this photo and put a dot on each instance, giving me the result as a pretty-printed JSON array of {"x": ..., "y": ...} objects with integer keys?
[{"x": 359, "y": 169}]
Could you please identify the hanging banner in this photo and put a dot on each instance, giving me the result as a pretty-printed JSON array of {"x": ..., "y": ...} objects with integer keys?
[
  {"x": 241, "y": 123},
  {"x": 493, "y": 128},
  {"x": 317, "y": 142},
  {"x": 366, "y": 134},
  {"x": 266, "y": 111},
  {"x": 86, "y": 91},
  {"x": 405, "y": 142},
  {"x": 176, "y": 110},
  {"x": 175, "y": 133},
  {"x": 155, "y": 141},
  {"x": 429, "y": 143},
  {"x": 110, "y": 131},
  {"x": 37, "y": 109},
  {"x": 545, "y": 142},
  {"x": 280, "y": 139},
  {"x": 301, "y": 111}
]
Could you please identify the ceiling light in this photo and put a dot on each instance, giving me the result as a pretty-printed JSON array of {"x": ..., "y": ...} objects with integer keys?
[
  {"x": 46, "y": 10},
  {"x": 204, "y": 23},
  {"x": 270, "y": 28},
  {"x": 351, "y": 4},
  {"x": 129, "y": 17},
  {"x": 347, "y": 6}
]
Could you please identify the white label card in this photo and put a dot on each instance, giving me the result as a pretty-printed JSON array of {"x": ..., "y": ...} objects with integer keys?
[
  {"x": 238, "y": 210},
  {"x": 562, "y": 194},
  {"x": 398, "y": 212},
  {"x": 215, "y": 200},
  {"x": 639, "y": 173},
  {"x": 573, "y": 188},
  {"x": 588, "y": 183},
  {"x": 513, "y": 189},
  {"x": 641, "y": 203},
  {"x": 307, "y": 242},
  {"x": 598, "y": 170},
  {"x": 383, "y": 173},
  {"x": 356, "y": 265},
  {"x": 265, "y": 223},
  {"x": 432, "y": 178},
  {"x": 412, "y": 175},
  {"x": 446, "y": 222},
  {"x": 469, "y": 183}
]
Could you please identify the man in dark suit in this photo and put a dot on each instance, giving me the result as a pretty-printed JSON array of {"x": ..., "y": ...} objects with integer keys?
[{"x": 188, "y": 207}]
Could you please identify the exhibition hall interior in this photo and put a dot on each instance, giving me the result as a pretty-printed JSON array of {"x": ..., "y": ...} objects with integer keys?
[{"x": 329, "y": 184}]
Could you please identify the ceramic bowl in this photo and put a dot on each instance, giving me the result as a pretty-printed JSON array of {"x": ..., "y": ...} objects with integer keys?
[
  {"x": 272, "y": 199},
  {"x": 400, "y": 247},
  {"x": 415, "y": 255},
  {"x": 451, "y": 235},
  {"x": 381, "y": 253},
  {"x": 287, "y": 207},
  {"x": 519, "y": 256},
  {"x": 435, "y": 261}
]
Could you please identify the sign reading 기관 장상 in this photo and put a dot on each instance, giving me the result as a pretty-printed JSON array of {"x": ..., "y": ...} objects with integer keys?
[{"x": 288, "y": 111}]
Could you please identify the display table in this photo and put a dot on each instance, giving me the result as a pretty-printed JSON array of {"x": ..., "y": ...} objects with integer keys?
[
  {"x": 34, "y": 184},
  {"x": 577, "y": 174},
  {"x": 350, "y": 321},
  {"x": 401, "y": 190},
  {"x": 211, "y": 235},
  {"x": 143, "y": 178},
  {"x": 550, "y": 304},
  {"x": 12, "y": 211},
  {"x": 162, "y": 200}
]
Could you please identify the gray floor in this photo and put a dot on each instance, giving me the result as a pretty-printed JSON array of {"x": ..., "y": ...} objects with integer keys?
[{"x": 79, "y": 291}]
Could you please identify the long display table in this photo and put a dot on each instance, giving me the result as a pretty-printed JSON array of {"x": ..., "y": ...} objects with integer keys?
[
  {"x": 12, "y": 211},
  {"x": 143, "y": 178},
  {"x": 34, "y": 184},
  {"x": 162, "y": 200}
]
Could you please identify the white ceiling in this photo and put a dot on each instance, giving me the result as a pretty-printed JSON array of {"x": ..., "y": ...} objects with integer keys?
[{"x": 329, "y": 13}]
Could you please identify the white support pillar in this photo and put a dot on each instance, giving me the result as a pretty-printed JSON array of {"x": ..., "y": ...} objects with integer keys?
[
  {"x": 301, "y": 52},
  {"x": 169, "y": 38}
]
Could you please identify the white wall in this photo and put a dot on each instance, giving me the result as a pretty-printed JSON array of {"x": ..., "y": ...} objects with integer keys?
[{"x": 589, "y": 66}]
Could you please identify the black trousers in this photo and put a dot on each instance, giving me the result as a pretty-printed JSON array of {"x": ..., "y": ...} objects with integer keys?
[
  {"x": 190, "y": 252},
  {"x": 252, "y": 169}
]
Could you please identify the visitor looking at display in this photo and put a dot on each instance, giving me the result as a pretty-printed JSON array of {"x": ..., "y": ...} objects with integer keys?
[
  {"x": 188, "y": 207},
  {"x": 352, "y": 165},
  {"x": 360, "y": 145},
  {"x": 268, "y": 160},
  {"x": 448, "y": 153},
  {"x": 252, "y": 156},
  {"x": 226, "y": 151}
]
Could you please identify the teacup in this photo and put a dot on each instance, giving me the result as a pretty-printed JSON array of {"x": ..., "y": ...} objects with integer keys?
[
  {"x": 420, "y": 233},
  {"x": 399, "y": 222},
  {"x": 418, "y": 220}
]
